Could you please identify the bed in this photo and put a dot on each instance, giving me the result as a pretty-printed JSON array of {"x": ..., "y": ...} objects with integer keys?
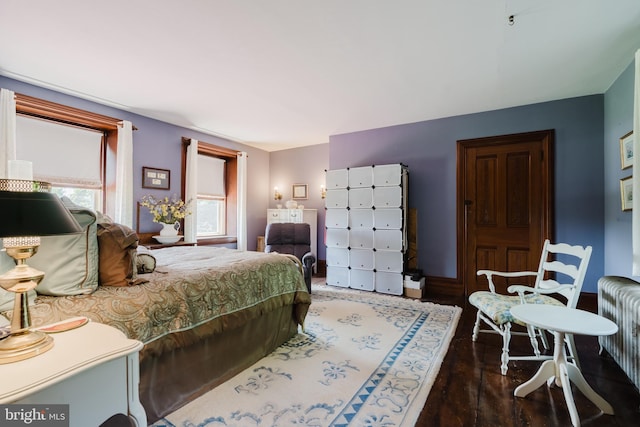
[{"x": 204, "y": 314}]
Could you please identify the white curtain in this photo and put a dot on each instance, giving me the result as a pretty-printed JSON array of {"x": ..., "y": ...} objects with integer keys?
[
  {"x": 191, "y": 190},
  {"x": 635, "y": 234},
  {"x": 124, "y": 175},
  {"x": 7, "y": 130},
  {"x": 242, "y": 201}
]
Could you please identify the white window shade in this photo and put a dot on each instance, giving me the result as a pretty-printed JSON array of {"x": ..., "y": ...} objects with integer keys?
[
  {"x": 60, "y": 154},
  {"x": 211, "y": 176}
]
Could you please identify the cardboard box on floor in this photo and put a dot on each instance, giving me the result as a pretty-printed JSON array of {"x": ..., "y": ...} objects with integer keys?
[{"x": 414, "y": 288}]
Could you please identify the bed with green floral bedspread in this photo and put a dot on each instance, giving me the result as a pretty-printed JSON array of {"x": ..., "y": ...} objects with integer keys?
[{"x": 205, "y": 314}]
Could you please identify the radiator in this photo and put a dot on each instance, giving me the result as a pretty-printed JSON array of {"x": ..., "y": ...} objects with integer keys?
[{"x": 619, "y": 300}]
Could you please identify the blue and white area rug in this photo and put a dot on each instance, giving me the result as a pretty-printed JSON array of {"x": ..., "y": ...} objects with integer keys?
[{"x": 364, "y": 359}]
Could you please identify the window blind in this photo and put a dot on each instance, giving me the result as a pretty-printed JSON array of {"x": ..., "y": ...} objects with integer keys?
[
  {"x": 211, "y": 176},
  {"x": 61, "y": 154}
]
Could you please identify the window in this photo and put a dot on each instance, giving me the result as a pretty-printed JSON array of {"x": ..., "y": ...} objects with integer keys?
[
  {"x": 69, "y": 157},
  {"x": 35, "y": 107},
  {"x": 217, "y": 192},
  {"x": 211, "y": 203}
]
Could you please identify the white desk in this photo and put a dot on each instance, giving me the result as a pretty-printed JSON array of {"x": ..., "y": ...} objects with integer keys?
[
  {"x": 93, "y": 368},
  {"x": 562, "y": 320}
]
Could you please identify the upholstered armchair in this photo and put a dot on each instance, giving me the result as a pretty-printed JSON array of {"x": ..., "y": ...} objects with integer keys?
[{"x": 294, "y": 239}]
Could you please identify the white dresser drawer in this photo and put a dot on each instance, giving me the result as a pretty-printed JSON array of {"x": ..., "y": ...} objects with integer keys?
[
  {"x": 276, "y": 215},
  {"x": 294, "y": 215}
]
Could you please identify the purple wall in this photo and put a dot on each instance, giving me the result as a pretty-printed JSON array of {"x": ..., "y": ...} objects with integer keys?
[
  {"x": 305, "y": 165},
  {"x": 429, "y": 150},
  {"x": 158, "y": 144}
]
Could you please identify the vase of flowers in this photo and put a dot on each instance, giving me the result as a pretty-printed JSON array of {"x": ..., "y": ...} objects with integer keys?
[
  {"x": 169, "y": 230},
  {"x": 167, "y": 211}
]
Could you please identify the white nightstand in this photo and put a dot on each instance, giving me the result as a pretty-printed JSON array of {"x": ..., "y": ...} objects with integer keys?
[{"x": 93, "y": 368}]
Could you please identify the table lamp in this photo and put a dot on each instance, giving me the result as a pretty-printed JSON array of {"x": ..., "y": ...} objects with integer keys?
[{"x": 26, "y": 213}]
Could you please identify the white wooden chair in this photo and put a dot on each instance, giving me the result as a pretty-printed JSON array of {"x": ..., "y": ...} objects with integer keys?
[{"x": 561, "y": 272}]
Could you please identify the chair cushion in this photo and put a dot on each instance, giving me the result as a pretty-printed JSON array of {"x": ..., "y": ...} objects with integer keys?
[{"x": 498, "y": 307}]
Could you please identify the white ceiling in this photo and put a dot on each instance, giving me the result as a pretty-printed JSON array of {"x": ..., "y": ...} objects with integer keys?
[{"x": 278, "y": 74}]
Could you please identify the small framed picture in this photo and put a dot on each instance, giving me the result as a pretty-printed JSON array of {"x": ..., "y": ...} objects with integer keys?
[
  {"x": 626, "y": 150},
  {"x": 299, "y": 192},
  {"x": 155, "y": 178},
  {"x": 626, "y": 193}
]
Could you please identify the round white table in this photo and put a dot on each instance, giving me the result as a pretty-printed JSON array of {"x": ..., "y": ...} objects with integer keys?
[{"x": 561, "y": 321}]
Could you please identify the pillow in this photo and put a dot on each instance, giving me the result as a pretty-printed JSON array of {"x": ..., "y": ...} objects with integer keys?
[
  {"x": 117, "y": 245},
  {"x": 69, "y": 262},
  {"x": 6, "y": 297},
  {"x": 145, "y": 262}
]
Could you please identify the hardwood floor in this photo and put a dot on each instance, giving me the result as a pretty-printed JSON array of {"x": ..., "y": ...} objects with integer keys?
[{"x": 470, "y": 391}]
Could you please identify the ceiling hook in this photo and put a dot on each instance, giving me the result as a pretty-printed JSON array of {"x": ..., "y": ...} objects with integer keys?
[{"x": 511, "y": 20}]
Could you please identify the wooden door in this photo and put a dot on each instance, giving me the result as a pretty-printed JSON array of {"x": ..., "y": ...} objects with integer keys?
[{"x": 504, "y": 203}]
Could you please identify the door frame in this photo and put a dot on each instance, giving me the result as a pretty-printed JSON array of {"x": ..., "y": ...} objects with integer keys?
[{"x": 547, "y": 137}]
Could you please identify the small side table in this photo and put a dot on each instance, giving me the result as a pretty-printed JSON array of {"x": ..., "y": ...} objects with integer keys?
[
  {"x": 561, "y": 321},
  {"x": 94, "y": 369}
]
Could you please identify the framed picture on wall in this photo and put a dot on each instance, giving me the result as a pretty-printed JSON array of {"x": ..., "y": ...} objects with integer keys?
[
  {"x": 626, "y": 150},
  {"x": 299, "y": 192},
  {"x": 155, "y": 178},
  {"x": 626, "y": 193}
]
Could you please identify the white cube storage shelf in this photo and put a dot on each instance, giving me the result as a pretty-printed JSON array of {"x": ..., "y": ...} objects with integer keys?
[
  {"x": 360, "y": 177},
  {"x": 338, "y": 178},
  {"x": 337, "y": 198},
  {"x": 359, "y": 218},
  {"x": 338, "y": 257},
  {"x": 336, "y": 218},
  {"x": 338, "y": 276},
  {"x": 366, "y": 236},
  {"x": 362, "y": 279},
  {"x": 362, "y": 259}
]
